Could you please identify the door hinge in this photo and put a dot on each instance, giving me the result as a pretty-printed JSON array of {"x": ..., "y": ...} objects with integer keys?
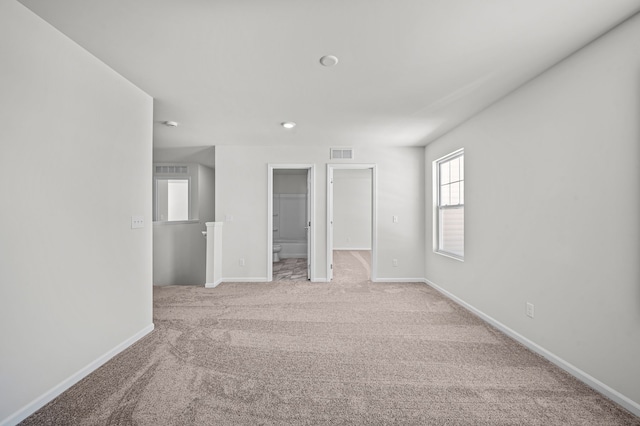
[{"x": 332, "y": 266}]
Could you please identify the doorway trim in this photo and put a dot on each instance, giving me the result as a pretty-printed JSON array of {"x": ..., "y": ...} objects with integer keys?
[
  {"x": 312, "y": 215},
  {"x": 374, "y": 208}
]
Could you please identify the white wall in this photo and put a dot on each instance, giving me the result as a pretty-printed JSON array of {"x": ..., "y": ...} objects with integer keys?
[
  {"x": 289, "y": 181},
  {"x": 179, "y": 254},
  {"x": 552, "y": 211},
  {"x": 75, "y": 279},
  {"x": 205, "y": 155},
  {"x": 352, "y": 209},
  {"x": 241, "y": 193},
  {"x": 206, "y": 194},
  {"x": 179, "y": 249}
]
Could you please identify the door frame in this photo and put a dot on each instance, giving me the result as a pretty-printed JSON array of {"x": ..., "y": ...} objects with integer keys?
[
  {"x": 311, "y": 177},
  {"x": 374, "y": 207}
]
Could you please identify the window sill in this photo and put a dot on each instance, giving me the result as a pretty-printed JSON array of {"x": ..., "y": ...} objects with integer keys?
[
  {"x": 176, "y": 222},
  {"x": 449, "y": 255}
]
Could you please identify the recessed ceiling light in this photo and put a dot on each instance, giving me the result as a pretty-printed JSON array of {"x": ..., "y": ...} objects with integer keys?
[
  {"x": 170, "y": 123},
  {"x": 329, "y": 61},
  {"x": 288, "y": 124}
]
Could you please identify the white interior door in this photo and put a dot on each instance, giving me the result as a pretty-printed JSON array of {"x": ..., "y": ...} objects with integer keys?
[
  {"x": 329, "y": 223},
  {"x": 308, "y": 224}
]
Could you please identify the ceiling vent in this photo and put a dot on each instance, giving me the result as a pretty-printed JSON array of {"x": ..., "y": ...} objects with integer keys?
[
  {"x": 172, "y": 169},
  {"x": 341, "y": 153}
]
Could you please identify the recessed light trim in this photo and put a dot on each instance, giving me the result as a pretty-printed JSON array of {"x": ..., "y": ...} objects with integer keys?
[
  {"x": 170, "y": 123},
  {"x": 329, "y": 61},
  {"x": 288, "y": 124}
]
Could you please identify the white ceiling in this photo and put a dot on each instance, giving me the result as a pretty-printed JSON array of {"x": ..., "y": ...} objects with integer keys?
[{"x": 230, "y": 71}]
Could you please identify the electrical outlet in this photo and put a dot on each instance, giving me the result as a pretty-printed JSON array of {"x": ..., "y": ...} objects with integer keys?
[
  {"x": 395, "y": 219},
  {"x": 529, "y": 310},
  {"x": 395, "y": 262},
  {"x": 241, "y": 262},
  {"x": 137, "y": 222}
]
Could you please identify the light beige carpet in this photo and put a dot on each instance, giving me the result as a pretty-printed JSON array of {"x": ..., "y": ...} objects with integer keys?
[{"x": 341, "y": 353}]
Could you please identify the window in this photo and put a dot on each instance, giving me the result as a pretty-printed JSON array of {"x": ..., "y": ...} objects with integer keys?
[
  {"x": 449, "y": 205},
  {"x": 172, "y": 193},
  {"x": 172, "y": 199}
]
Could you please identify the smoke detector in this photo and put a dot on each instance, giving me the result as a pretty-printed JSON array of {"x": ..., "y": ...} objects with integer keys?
[{"x": 329, "y": 61}]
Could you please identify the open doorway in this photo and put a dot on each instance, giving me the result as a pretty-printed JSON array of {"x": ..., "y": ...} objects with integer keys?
[
  {"x": 351, "y": 217},
  {"x": 290, "y": 222}
]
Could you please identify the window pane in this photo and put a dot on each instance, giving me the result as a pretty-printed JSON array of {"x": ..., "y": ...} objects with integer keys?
[
  {"x": 455, "y": 169},
  {"x": 462, "y": 167},
  {"x": 455, "y": 193},
  {"x": 452, "y": 231},
  {"x": 444, "y": 173},
  {"x": 444, "y": 195},
  {"x": 177, "y": 199}
]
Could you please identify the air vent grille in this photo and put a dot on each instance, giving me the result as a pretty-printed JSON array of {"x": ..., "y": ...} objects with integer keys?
[
  {"x": 172, "y": 169},
  {"x": 342, "y": 153}
]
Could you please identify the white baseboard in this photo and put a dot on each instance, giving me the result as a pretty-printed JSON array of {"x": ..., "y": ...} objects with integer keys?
[
  {"x": 293, "y": 256},
  {"x": 48, "y": 396},
  {"x": 398, "y": 280},
  {"x": 354, "y": 248},
  {"x": 587, "y": 379},
  {"x": 213, "y": 284},
  {"x": 244, "y": 280},
  {"x": 257, "y": 280}
]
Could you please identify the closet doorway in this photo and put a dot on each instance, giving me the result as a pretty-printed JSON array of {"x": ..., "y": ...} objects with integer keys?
[{"x": 356, "y": 238}]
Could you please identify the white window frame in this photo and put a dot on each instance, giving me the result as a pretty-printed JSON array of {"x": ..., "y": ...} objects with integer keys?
[
  {"x": 191, "y": 177},
  {"x": 156, "y": 180},
  {"x": 437, "y": 207}
]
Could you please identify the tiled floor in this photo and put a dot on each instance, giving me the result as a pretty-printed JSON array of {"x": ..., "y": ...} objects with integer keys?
[
  {"x": 290, "y": 269},
  {"x": 349, "y": 264}
]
